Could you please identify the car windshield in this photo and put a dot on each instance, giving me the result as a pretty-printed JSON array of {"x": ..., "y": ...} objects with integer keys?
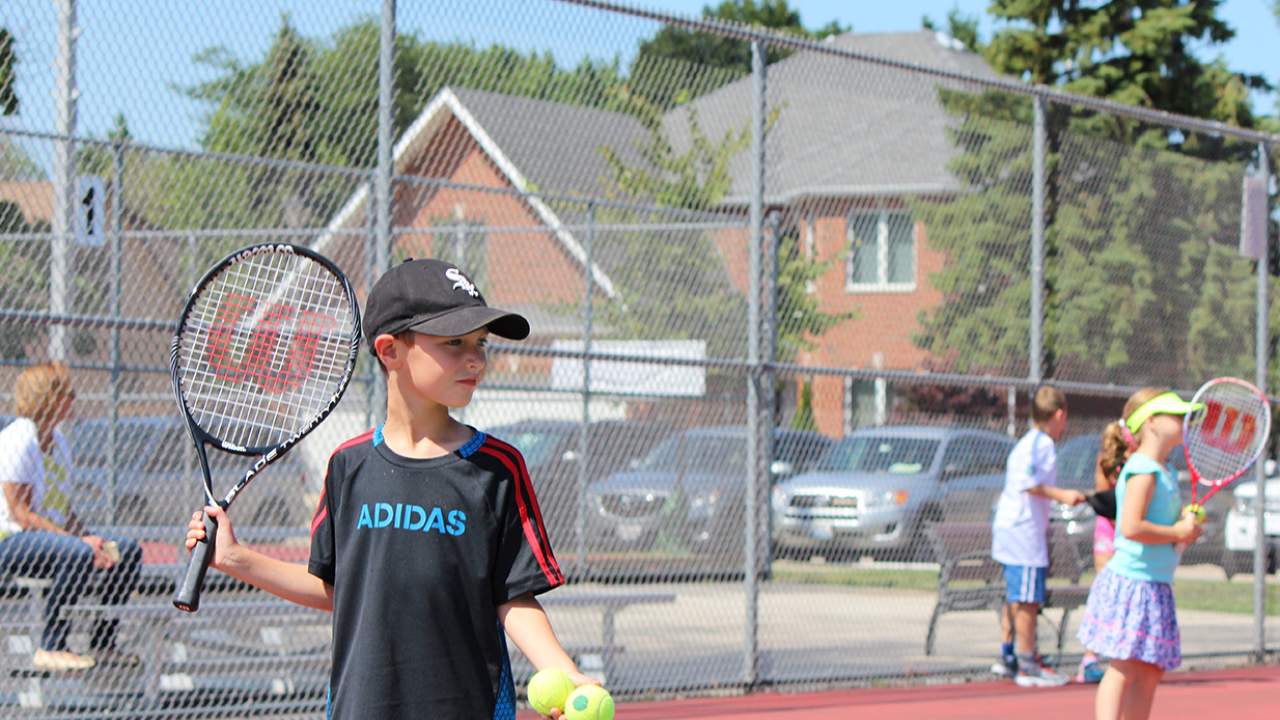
[
  {"x": 1076, "y": 459},
  {"x": 707, "y": 454},
  {"x": 892, "y": 455}
]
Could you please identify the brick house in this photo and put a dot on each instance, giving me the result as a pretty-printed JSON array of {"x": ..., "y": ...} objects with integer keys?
[{"x": 851, "y": 144}]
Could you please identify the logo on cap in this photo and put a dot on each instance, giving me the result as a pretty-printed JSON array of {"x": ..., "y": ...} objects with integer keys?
[{"x": 460, "y": 282}]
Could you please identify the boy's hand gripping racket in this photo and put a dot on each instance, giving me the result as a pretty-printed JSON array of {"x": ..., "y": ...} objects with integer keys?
[
  {"x": 265, "y": 348},
  {"x": 1224, "y": 437}
]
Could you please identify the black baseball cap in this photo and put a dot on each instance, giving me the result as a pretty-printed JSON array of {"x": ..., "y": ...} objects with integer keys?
[{"x": 436, "y": 298}]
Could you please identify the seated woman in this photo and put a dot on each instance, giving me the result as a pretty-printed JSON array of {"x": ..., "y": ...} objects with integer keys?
[{"x": 41, "y": 537}]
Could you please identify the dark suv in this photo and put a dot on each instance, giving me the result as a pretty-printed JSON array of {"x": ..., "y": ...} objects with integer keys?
[
  {"x": 692, "y": 486},
  {"x": 156, "y": 478},
  {"x": 553, "y": 454}
]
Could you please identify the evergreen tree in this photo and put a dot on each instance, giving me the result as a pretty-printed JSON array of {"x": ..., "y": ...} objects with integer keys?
[
  {"x": 8, "y": 60},
  {"x": 667, "y": 66},
  {"x": 1129, "y": 206}
]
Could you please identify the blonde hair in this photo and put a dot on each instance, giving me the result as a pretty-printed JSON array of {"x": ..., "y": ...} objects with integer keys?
[
  {"x": 1138, "y": 399},
  {"x": 1048, "y": 400},
  {"x": 39, "y": 389},
  {"x": 1115, "y": 450}
]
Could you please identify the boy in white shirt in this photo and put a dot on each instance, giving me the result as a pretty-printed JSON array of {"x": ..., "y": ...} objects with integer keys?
[{"x": 1019, "y": 536}]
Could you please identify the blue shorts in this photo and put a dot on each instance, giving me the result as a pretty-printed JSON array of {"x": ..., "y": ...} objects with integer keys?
[{"x": 1024, "y": 584}]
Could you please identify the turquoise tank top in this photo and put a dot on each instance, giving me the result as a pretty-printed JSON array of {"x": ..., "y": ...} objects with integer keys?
[{"x": 1140, "y": 560}]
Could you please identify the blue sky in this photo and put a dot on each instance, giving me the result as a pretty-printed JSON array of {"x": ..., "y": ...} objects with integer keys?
[{"x": 133, "y": 53}]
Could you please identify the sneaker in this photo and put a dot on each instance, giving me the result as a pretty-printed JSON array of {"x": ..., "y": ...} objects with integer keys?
[
  {"x": 116, "y": 658},
  {"x": 61, "y": 661},
  {"x": 1035, "y": 674},
  {"x": 1005, "y": 667}
]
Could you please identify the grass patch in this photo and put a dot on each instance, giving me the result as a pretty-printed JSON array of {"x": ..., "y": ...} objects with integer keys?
[
  {"x": 1212, "y": 595},
  {"x": 855, "y": 576},
  {"x": 1222, "y": 596}
]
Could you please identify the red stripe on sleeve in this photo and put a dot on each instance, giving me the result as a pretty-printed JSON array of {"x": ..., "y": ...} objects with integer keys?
[
  {"x": 527, "y": 484},
  {"x": 529, "y": 522},
  {"x": 322, "y": 512},
  {"x": 322, "y": 509}
]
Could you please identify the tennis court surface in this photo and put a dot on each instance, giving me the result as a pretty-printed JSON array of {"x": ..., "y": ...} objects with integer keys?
[{"x": 1242, "y": 694}]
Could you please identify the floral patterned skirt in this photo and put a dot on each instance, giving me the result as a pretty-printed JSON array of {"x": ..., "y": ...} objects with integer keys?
[{"x": 1128, "y": 619}]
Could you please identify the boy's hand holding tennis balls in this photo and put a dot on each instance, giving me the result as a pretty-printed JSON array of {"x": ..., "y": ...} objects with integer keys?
[{"x": 555, "y": 693}]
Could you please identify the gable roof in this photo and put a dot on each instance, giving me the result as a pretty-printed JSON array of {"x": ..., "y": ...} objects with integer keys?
[
  {"x": 508, "y": 118},
  {"x": 844, "y": 128}
]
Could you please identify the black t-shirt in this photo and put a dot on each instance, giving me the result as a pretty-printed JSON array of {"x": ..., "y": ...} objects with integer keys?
[{"x": 420, "y": 554}]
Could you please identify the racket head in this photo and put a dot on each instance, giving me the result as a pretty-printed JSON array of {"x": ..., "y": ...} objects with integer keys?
[
  {"x": 265, "y": 347},
  {"x": 1226, "y": 435}
]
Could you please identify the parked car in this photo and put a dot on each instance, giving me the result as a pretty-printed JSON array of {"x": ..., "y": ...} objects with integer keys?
[
  {"x": 693, "y": 486},
  {"x": 877, "y": 490},
  {"x": 1077, "y": 457},
  {"x": 1241, "y": 529},
  {"x": 552, "y": 453},
  {"x": 157, "y": 477}
]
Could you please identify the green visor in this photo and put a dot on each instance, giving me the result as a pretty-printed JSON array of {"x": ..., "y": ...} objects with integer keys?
[{"x": 1163, "y": 404}]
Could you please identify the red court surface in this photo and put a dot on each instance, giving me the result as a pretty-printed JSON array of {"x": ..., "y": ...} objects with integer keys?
[{"x": 1240, "y": 694}]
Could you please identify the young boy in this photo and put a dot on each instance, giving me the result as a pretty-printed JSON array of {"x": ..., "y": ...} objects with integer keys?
[
  {"x": 427, "y": 543},
  {"x": 1019, "y": 536}
]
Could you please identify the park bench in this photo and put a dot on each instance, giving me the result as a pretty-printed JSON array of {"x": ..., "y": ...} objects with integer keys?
[
  {"x": 969, "y": 579},
  {"x": 609, "y": 603}
]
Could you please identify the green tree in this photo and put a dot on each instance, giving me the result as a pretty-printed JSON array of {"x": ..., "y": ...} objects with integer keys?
[
  {"x": 315, "y": 101},
  {"x": 959, "y": 26},
  {"x": 666, "y": 63},
  {"x": 695, "y": 176},
  {"x": 1129, "y": 206},
  {"x": 8, "y": 61}
]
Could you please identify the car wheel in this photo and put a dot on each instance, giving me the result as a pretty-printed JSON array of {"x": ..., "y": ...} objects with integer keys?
[{"x": 799, "y": 554}]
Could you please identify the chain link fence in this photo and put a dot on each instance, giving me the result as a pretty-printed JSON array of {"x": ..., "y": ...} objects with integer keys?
[{"x": 787, "y": 314}]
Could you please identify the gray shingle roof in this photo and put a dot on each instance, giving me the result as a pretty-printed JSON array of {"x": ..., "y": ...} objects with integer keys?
[
  {"x": 555, "y": 145},
  {"x": 845, "y": 128}
]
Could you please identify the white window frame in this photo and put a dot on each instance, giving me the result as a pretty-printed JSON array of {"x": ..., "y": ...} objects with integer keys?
[
  {"x": 882, "y": 283},
  {"x": 810, "y": 243}
]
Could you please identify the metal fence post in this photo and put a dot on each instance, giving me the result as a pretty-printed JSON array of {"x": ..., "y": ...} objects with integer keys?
[
  {"x": 768, "y": 390},
  {"x": 117, "y": 226},
  {"x": 584, "y": 438},
  {"x": 1261, "y": 342},
  {"x": 1036, "y": 348},
  {"x": 382, "y": 177},
  {"x": 64, "y": 173},
  {"x": 754, "y": 478}
]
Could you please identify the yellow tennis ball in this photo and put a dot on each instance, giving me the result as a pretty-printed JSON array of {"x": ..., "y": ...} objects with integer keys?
[
  {"x": 1197, "y": 509},
  {"x": 589, "y": 702},
  {"x": 548, "y": 689}
]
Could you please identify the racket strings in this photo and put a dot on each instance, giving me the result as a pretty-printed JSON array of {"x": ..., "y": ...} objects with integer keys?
[
  {"x": 1227, "y": 435},
  {"x": 264, "y": 348}
]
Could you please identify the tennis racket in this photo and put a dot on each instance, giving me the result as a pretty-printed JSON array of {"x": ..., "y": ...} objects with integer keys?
[
  {"x": 1224, "y": 437},
  {"x": 265, "y": 348}
]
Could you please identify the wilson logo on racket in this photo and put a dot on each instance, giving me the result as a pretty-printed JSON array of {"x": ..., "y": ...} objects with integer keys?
[
  {"x": 1236, "y": 432},
  {"x": 260, "y": 360}
]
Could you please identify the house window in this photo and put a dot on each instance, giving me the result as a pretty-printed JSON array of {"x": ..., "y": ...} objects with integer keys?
[
  {"x": 882, "y": 254},
  {"x": 810, "y": 249},
  {"x": 866, "y": 403}
]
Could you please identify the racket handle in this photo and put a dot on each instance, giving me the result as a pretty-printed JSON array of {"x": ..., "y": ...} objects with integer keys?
[{"x": 188, "y": 597}]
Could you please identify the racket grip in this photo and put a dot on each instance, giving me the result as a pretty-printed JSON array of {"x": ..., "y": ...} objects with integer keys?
[{"x": 188, "y": 597}]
